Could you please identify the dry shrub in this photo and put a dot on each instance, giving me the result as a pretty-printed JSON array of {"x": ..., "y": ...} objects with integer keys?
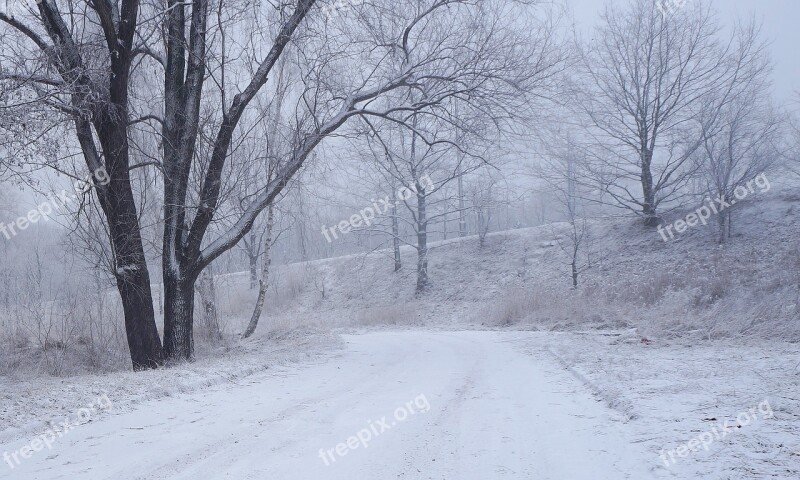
[
  {"x": 644, "y": 290},
  {"x": 549, "y": 308},
  {"x": 14, "y": 345},
  {"x": 511, "y": 309},
  {"x": 401, "y": 314},
  {"x": 78, "y": 332}
]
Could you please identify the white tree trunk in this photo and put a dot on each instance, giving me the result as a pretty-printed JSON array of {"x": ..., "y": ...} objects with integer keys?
[{"x": 264, "y": 281}]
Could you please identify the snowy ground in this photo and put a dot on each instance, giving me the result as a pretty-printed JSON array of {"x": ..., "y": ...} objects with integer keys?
[
  {"x": 28, "y": 405},
  {"x": 458, "y": 405},
  {"x": 676, "y": 391}
]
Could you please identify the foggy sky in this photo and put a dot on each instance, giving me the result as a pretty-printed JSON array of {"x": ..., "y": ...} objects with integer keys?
[{"x": 780, "y": 26}]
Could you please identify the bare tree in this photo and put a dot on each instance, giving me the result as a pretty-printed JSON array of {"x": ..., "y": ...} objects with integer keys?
[
  {"x": 578, "y": 243},
  {"x": 208, "y": 299},
  {"x": 647, "y": 73},
  {"x": 418, "y": 164},
  {"x": 423, "y": 151},
  {"x": 560, "y": 172},
  {"x": 97, "y": 67},
  {"x": 263, "y": 282},
  {"x": 743, "y": 134},
  {"x": 267, "y": 161},
  {"x": 90, "y": 84},
  {"x": 484, "y": 196}
]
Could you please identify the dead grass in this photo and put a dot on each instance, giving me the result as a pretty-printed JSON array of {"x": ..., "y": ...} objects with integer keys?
[
  {"x": 402, "y": 314},
  {"x": 717, "y": 298},
  {"x": 73, "y": 334}
]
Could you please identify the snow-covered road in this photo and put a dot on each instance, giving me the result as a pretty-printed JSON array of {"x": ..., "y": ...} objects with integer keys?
[{"x": 463, "y": 405}]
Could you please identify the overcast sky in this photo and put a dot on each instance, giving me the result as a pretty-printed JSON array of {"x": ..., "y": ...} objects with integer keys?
[{"x": 781, "y": 26}]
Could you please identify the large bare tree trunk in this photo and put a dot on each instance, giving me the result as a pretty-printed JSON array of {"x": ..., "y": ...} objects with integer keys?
[
  {"x": 118, "y": 204},
  {"x": 574, "y": 266},
  {"x": 184, "y": 255},
  {"x": 724, "y": 222},
  {"x": 483, "y": 225},
  {"x": 208, "y": 299},
  {"x": 648, "y": 190},
  {"x": 178, "y": 318},
  {"x": 133, "y": 284},
  {"x": 264, "y": 281},
  {"x": 253, "y": 272},
  {"x": 104, "y": 116}
]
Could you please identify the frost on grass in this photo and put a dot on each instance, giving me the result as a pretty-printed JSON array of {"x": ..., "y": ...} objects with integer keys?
[{"x": 670, "y": 392}]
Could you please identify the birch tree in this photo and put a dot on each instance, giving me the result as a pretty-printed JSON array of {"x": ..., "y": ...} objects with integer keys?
[{"x": 263, "y": 282}]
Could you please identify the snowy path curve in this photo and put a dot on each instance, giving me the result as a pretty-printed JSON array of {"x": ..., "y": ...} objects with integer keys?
[{"x": 482, "y": 409}]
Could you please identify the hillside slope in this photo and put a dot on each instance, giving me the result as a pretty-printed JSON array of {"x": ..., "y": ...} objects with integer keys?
[{"x": 521, "y": 279}]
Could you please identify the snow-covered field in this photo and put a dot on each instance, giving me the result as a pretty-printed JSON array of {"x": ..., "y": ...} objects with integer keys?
[{"x": 675, "y": 391}]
